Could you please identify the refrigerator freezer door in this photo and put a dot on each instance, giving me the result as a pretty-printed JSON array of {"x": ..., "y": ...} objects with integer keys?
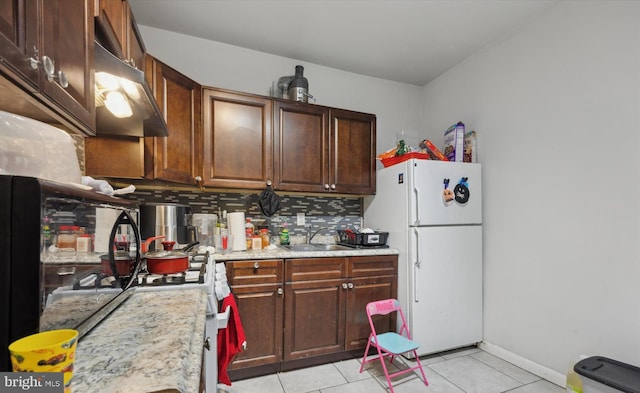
[
  {"x": 445, "y": 276},
  {"x": 444, "y": 193}
]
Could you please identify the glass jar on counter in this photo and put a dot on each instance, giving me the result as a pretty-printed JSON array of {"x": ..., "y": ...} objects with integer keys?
[{"x": 67, "y": 236}]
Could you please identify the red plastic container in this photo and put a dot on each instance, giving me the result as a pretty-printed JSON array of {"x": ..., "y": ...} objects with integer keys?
[{"x": 398, "y": 159}]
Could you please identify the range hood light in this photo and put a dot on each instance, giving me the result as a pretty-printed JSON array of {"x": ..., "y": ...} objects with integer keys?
[
  {"x": 129, "y": 88},
  {"x": 139, "y": 114},
  {"x": 107, "y": 81},
  {"x": 118, "y": 105}
]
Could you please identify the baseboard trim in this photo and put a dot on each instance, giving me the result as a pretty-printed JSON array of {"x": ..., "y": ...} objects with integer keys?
[{"x": 526, "y": 364}]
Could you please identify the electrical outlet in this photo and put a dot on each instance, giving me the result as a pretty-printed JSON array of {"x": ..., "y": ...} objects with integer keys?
[{"x": 300, "y": 217}]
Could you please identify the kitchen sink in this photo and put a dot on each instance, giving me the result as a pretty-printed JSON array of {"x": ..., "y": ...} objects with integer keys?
[{"x": 316, "y": 247}]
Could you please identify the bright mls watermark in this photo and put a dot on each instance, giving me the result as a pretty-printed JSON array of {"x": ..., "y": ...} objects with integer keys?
[{"x": 31, "y": 382}]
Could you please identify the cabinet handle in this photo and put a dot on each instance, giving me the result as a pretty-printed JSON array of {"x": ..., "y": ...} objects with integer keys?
[
  {"x": 50, "y": 70},
  {"x": 62, "y": 80},
  {"x": 207, "y": 343},
  {"x": 48, "y": 67},
  {"x": 280, "y": 291},
  {"x": 326, "y": 186},
  {"x": 344, "y": 285},
  {"x": 268, "y": 182},
  {"x": 333, "y": 187},
  {"x": 34, "y": 60},
  {"x": 256, "y": 265},
  {"x": 66, "y": 271},
  {"x": 350, "y": 285}
]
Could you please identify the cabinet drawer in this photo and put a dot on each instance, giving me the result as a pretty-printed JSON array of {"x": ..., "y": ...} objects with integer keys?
[
  {"x": 383, "y": 265},
  {"x": 252, "y": 272},
  {"x": 308, "y": 269}
]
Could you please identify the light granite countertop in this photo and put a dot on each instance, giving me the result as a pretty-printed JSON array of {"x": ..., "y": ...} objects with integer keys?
[
  {"x": 151, "y": 343},
  {"x": 278, "y": 252}
]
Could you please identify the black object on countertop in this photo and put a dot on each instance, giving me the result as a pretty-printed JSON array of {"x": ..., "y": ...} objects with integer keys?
[{"x": 609, "y": 372}]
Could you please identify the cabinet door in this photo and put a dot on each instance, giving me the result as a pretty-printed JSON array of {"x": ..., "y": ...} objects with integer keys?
[
  {"x": 120, "y": 157},
  {"x": 371, "y": 278},
  {"x": 135, "y": 45},
  {"x": 352, "y": 153},
  {"x": 362, "y": 291},
  {"x": 314, "y": 307},
  {"x": 175, "y": 157},
  {"x": 119, "y": 33},
  {"x": 67, "y": 38},
  {"x": 112, "y": 22},
  {"x": 314, "y": 318},
  {"x": 301, "y": 147},
  {"x": 19, "y": 40},
  {"x": 258, "y": 287},
  {"x": 237, "y": 140}
]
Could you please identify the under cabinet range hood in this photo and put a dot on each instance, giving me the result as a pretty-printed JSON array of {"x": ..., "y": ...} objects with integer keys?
[{"x": 125, "y": 105}]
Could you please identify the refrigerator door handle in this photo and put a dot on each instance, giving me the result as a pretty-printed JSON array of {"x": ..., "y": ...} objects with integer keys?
[
  {"x": 416, "y": 265},
  {"x": 416, "y": 193}
]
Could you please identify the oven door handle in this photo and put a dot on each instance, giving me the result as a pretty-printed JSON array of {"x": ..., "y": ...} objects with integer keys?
[
  {"x": 124, "y": 219},
  {"x": 77, "y": 281}
]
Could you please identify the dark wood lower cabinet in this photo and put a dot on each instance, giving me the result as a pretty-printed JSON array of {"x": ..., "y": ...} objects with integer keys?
[
  {"x": 307, "y": 311},
  {"x": 258, "y": 287}
]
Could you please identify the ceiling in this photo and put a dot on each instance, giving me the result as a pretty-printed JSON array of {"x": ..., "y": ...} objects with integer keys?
[{"x": 410, "y": 41}]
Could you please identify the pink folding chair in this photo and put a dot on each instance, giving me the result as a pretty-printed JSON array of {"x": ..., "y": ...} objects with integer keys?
[{"x": 391, "y": 344}]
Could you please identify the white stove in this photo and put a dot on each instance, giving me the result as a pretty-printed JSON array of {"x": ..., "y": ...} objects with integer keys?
[{"x": 203, "y": 274}]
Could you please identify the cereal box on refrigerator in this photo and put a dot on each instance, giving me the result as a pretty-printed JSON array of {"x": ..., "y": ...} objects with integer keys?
[{"x": 454, "y": 142}]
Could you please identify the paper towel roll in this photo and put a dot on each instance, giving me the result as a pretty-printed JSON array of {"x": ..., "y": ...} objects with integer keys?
[
  {"x": 235, "y": 221},
  {"x": 105, "y": 218}
]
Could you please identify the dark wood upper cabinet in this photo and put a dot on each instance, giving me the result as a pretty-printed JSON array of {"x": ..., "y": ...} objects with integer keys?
[
  {"x": 176, "y": 157},
  {"x": 352, "y": 155},
  {"x": 47, "y": 52},
  {"x": 301, "y": 147},
  {"x": 67, "y": 38},
  {"x": 321, "y": 149},
  {"x": 117, "y": 31},
  {"x": 19, "y": 40},
  {"x": 237, "y": 140}
]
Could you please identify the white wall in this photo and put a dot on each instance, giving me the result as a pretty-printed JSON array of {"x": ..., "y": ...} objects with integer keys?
[
  {"x": 396, "y": 105},
  {"x": 557, "y": 109}
]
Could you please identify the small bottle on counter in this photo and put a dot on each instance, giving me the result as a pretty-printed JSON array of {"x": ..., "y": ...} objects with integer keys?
[
  {"x": 284, "y": 235},
  {"x": 248, "y": 230},
  {"x": 264, "y": 235}
]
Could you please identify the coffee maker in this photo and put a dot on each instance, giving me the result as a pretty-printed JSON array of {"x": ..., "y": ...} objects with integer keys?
[{"x": 166, "y": 219}]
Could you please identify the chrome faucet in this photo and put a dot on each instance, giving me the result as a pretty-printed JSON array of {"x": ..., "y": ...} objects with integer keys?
[{"x": 315, "y": 233}]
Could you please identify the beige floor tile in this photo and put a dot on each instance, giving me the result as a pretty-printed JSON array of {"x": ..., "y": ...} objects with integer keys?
[{"x": 310, "y": 379}]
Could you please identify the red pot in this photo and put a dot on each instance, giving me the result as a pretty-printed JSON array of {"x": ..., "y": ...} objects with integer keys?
[
  {"x": 167, "y": 261},
  {"x": 125, "y": 264}
]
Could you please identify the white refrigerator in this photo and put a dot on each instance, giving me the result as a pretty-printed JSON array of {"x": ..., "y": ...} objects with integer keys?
[{"x": 433, "y": 213}]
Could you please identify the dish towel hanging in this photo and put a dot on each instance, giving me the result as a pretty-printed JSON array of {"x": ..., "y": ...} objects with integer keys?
[{"x": 230, "y": 340}]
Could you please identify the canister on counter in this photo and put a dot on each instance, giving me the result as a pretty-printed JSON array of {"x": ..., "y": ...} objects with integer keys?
[
  {"x": 83, "y": 243},
  {"x": 67, "y": 236}
]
